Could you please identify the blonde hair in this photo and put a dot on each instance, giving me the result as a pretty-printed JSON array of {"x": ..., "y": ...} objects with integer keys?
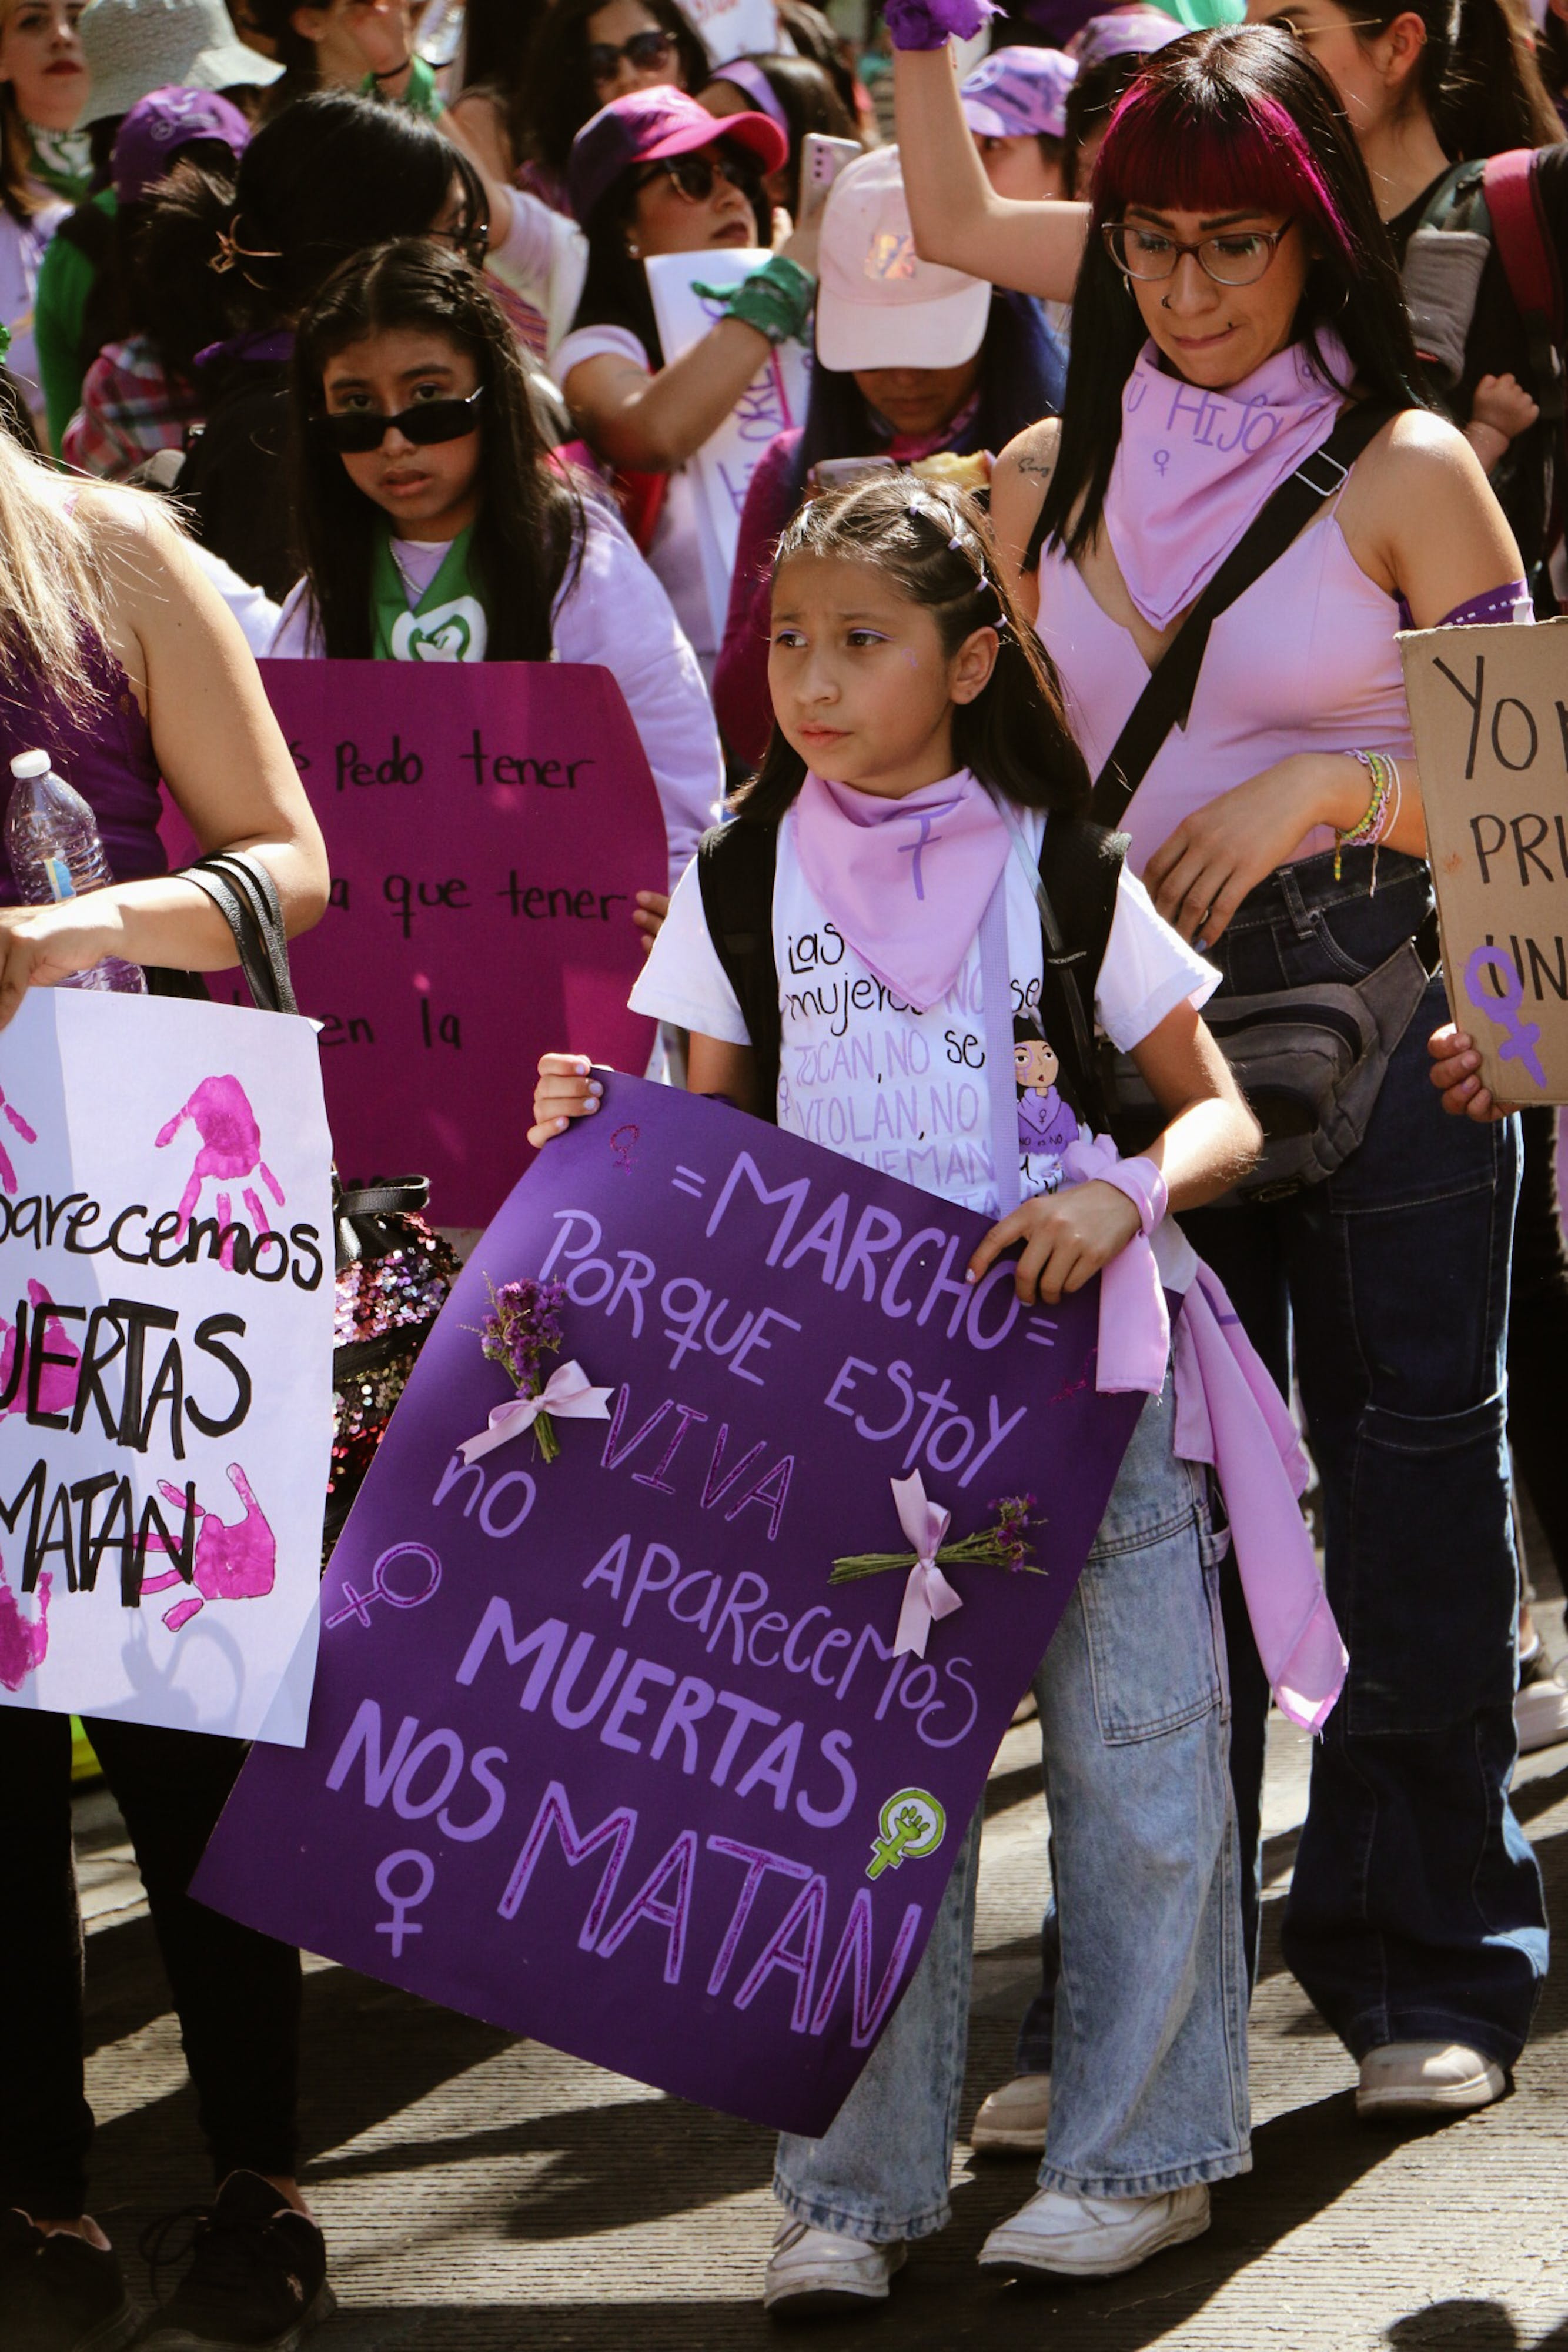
[{"x": 54, "y": 576}]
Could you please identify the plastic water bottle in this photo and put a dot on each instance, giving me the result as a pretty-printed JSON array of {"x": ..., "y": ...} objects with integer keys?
[{"x": 57, "y": 852}]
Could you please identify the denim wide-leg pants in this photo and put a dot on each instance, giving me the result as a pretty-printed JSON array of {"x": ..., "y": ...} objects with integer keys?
[
  {"x": 1415, "y": 1911},
  {"x": 1150, "y": 2089}
]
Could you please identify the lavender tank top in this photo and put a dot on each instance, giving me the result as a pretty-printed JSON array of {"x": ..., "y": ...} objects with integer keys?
[
  {"x": 1303, "y": 661},
  {"x": 106, "y": 752}
]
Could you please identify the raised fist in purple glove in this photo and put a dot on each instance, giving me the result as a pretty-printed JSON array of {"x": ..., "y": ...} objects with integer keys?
[{"x": 927, "y": 23}]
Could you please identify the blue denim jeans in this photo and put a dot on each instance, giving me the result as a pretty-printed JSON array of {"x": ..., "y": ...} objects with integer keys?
[
  {"x": 1415, "y": 1911},
  {"x": 1150, "y": 2087}
]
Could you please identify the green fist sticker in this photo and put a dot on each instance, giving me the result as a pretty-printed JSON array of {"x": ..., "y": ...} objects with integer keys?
[{"x": 913, "y": 1824}]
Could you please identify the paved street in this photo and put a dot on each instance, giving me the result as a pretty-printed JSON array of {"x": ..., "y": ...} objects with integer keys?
[{"x": 480, "y": 2194}]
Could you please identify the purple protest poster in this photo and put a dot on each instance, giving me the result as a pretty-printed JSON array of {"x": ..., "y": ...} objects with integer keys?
[
  {"x": 488, "y": 825},
  {"x": 597, "y": 1752}
]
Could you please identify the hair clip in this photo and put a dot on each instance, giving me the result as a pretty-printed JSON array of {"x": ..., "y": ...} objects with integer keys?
[
  {"x": 231, "y": 253},
  {"x": 955, "y": 547},
  {"x": 982, "y": 582}
]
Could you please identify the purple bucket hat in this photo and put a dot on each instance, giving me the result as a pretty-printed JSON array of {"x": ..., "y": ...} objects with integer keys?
[{"x": 1020, "y": 93}]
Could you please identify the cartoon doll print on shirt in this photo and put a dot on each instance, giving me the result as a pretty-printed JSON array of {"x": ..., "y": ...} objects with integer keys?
[{"x": 1046, "y": 1121}]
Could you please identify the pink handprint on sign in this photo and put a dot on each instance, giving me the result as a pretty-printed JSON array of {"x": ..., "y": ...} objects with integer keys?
[
  {"x": 24, "y": 1641},
  {"x": 221, "y": 1113},
  {"x": 235, "y": 1559},
  {"x": 19, "y": 1126},
  {"x": 56, "y": 1381}
]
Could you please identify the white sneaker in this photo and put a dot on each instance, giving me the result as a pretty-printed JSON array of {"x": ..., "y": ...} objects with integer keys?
[
  {"x": 1012, "y": 2121},
  {"x": 1095, "y": 2237},
  {"x": 1541, "y": 1708},
  {"x": 1426, "y": 2078},
  {"x": 818, "y": 2270}
]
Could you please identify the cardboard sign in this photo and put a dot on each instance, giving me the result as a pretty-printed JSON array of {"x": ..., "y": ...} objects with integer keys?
[
  {"x": 597, "y": 1752},
  {"x": 165, "y": 1373},
  {"x": 1490, "y": 710},
  {"x": 772, "y": 403},
  {"x": 737, "y": 28},
  {"x": 489, "y": 825}
]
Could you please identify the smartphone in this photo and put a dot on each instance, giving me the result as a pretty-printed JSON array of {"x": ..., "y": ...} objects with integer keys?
[{"x": 821, "y": 161}]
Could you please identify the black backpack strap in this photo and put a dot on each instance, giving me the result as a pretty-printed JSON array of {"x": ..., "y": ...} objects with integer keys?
[
  {"x": 1080, "y": 872},
  {"x": 1166, "y": 700},
  {"x": 735, "y": 865}
]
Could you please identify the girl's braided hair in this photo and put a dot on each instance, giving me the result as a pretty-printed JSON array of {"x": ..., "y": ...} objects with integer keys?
[{"x": 935, "y": 545}]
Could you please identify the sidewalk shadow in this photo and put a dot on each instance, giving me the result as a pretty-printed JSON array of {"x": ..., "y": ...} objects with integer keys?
[{"x": 1466, "y": 2327}]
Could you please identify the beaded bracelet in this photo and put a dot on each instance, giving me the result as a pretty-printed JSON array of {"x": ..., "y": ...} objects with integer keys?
[
  {"x": 1382, "y": 812},
  {"x": 776, "y": 298}
]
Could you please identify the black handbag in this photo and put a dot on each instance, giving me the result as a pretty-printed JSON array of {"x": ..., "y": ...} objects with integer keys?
[
  {"x": 393, "y": 1271},
  {"x": 1310, "y": 1060}
]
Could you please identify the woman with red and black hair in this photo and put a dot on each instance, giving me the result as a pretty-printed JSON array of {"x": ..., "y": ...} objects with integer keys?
[{"x": 1237, "y": 299}]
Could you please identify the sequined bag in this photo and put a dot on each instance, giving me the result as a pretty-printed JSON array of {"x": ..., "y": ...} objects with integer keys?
[{"x": 394, "y": 1272}]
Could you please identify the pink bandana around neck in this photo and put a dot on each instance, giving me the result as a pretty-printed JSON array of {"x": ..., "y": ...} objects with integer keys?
[
  {"x": 1193, "y": 467},
  {"x": 905, "y": 882}
]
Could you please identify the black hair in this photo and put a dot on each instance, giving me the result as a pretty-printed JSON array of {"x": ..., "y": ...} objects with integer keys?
[
  {"x": 808, "y": 102},
  {"x": 497, "y": 36},
  {"x": 530, "y": 524},
  {"x": 615, "y": 288},
  {"x": 1477, "y": 78},
  {"x": 1204, "y": 105},
  {"x": 1089, "y": 104},
  {"x": 561, "y": 95},
  {"x": 935, "y": 546},
  {"x": 177, "y": 313},
  {"x": 294, "y": 51},
  {"x": 816, "y": 38},
  {"x": 329, "y": 176},
  {"x": 1019, "y": 382}
]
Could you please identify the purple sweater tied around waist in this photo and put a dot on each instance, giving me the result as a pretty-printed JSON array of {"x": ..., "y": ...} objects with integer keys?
[{"x": 104, "y": 751}]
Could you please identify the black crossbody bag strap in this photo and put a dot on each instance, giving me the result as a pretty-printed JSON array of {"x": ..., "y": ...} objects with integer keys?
[{"x": 1166, "y": 700}]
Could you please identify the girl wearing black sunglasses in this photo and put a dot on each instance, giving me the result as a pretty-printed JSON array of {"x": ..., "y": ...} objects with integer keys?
[
  {"x": 587, "y": 52},
  {"x": 435, "y": 528}
]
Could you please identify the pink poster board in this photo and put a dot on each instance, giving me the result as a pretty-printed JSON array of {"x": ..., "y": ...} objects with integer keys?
[{"x": 488, "y": 825}]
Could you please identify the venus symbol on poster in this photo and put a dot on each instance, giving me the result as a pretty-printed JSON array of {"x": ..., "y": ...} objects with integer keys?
[{"x": 165, "y": 1364}]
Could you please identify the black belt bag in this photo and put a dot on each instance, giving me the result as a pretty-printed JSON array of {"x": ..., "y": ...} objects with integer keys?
[{"x": 1310, "y": 1060}]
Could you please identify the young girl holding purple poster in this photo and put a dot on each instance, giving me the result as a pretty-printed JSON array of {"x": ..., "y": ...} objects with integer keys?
[
  {"x": 435, "y": 527},
  {"x": 914, "y": 837}
]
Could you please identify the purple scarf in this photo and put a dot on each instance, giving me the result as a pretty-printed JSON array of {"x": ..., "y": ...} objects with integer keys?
[
  {"x": 905, "y": 881},
  {"x": 1193, "y": 467}
]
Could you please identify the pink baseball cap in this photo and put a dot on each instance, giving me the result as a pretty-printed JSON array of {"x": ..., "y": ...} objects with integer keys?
[
  {"x": 1019, "y": 93},
  {"x": 879, "y": 305},
  {"x": 647, "y": 126}
]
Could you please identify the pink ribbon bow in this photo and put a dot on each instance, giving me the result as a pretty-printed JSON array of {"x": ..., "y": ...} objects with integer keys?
[
  {"x": 568, "y": 1394},
  {"x": 927, "y": 1592}
]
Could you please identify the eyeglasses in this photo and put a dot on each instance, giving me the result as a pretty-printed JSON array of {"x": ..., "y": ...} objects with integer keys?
[
  {"x": 1307, "y": 33},
  {"x": 1240, "y": 260},
  {"x": 693, "y": 176},
  {"x": 644, "y": 53},
  {"x": 471, "y": 239},
  {"x": 356, "y": 432}
]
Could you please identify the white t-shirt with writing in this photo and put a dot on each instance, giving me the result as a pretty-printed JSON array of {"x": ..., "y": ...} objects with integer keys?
[{"x": 901, "y": 1091}]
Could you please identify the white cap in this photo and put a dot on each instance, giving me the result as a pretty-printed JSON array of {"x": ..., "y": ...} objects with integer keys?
[
  {"x": 878, "y": 304},
  {"x": 30, "y": 763}
]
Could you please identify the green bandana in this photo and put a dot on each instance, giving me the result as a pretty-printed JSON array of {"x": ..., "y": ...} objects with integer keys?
[
  {"x": 448, "y": 621},
  {"x": 62, "y": 160},
  {"x": 419, "y": 94}
]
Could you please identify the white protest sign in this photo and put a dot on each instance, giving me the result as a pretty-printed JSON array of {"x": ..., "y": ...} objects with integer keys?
[
  {"x": 773, "y": 401},
  {"x": 1490, "y": 722},
  {"x": 735, "y": 28},
  {"x": 166, "y": 1300}
]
